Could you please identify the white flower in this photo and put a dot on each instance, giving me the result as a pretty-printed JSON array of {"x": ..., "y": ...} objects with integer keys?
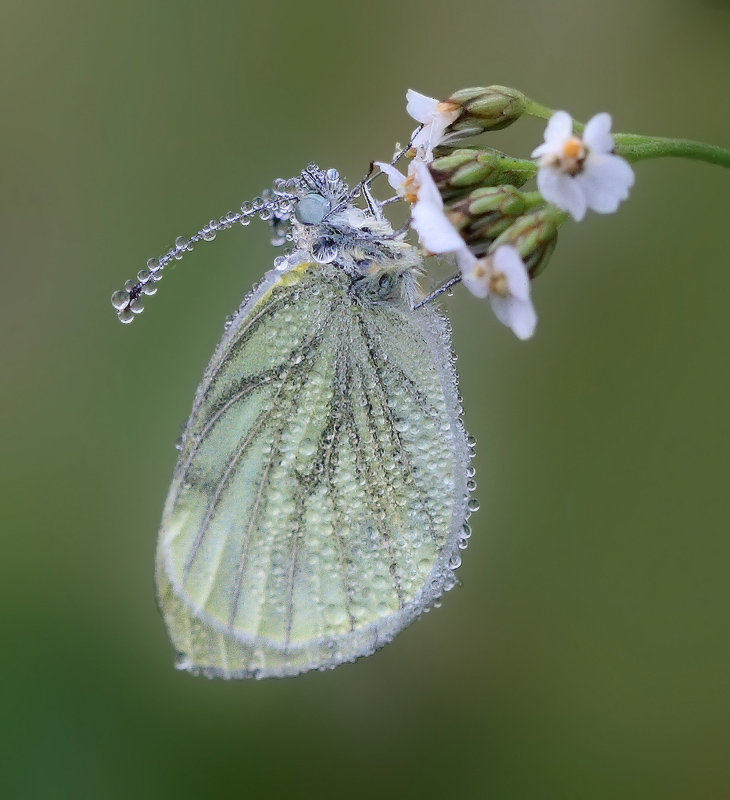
[
  {"x": 397, "y": 179},
  {"x": 577, "y": 173},
  {"x": 435, "y": 116},
  {"x": 502, "y": 277},
  {"x": 434, "y": 229}
]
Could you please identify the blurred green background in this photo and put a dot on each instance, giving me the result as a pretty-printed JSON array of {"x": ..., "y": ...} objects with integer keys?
[{"x": 587, "y": 653}]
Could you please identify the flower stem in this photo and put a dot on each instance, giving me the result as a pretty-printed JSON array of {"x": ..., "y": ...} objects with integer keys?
[
  {"x": 536, "y": 109},
  {"x": 634, "y": 147}
]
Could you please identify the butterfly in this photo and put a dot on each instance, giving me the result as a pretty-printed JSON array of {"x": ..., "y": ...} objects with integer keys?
[{"x": 322, "y": 490}]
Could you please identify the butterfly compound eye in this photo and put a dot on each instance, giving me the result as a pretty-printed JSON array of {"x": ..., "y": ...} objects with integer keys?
[{"x": 312, "y": 209}]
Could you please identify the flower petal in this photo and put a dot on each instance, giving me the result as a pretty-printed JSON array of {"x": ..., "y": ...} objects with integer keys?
[
  {"x": 423, "y": 142},
  {"x": 476, "y": 281},
  {"x": 561, "y": 189},
  {"x": 395, "y": 177},
  {"x": 428, "y": 192},
  {"x": 597, "y": 133},
  {"x": 434, "y": 229},
  {"x": 519, "y": 315},
  {"x": 507, "y": 260},
  {"x": 559, "y": 128},
  {"x": 541, "y": 150},
  {"x": 476, "y": 284},
  {"x": 420, "y": 107},
  {"x": 605, "y": 182}
]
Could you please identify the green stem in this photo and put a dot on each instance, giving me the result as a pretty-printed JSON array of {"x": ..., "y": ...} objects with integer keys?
[
  {"x": 635, "y": 147},
  {"x": 542, "y": 112}
]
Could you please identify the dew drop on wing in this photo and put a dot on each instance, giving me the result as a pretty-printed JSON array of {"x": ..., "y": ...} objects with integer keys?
[{"x": 325, "y": 252}]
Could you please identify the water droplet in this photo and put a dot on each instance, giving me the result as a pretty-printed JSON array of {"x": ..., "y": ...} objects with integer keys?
[
  {"x": 153, "y": 264},
  {"x": 143, "y": 275},
  {"x": 120, "y": 298},
  {"x": 137, "y": 305},
  {"x": 449, "y": 582},
  {"x": 181, "y": 243},
  {"x": 325, "y": 252},
  {"x": 473, "y": 505},
  {"x": 126, "y": 316}
]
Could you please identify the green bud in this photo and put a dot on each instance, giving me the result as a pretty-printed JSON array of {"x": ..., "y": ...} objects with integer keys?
[
  {"x": 539, "y": 257},
  {"x": 468, "y": 168},
  {"x": 534, "y": 236},
  {"x": 487, "y": 108},
  {"x": 485, "y": 213}
]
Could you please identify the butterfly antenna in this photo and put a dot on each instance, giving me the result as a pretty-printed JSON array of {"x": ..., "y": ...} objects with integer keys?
[
  {"x": 275, "y": 207},
  {"x": 445, "y": 287}
]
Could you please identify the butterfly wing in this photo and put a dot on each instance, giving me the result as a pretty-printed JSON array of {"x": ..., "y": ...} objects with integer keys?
[{"x": 321, "y": 487}]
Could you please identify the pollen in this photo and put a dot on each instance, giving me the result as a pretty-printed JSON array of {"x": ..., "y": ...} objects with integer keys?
[
  {"x": 574, "y": 153},
  {"x": 574, "y": 148},
  {"x": 410, "y": 189},
  {"x": 498, "y": 284}
]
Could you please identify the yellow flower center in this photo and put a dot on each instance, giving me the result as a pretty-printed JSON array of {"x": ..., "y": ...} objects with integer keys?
[
  {"x": 480, "y": 270},
  {"x": 498, "y": 284},
  {"x": 574, "y": 154},
  {"x": 410, "y": 189}
]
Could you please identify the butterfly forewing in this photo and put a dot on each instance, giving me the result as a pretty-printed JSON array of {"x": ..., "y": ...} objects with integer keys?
[{"x": 321, "y": 487}]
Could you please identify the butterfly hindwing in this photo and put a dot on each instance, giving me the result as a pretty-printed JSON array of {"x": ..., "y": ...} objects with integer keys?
[{"x": 321, "y": 486}]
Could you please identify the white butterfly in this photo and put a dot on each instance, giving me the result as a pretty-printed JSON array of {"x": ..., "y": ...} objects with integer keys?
[{"x": 320, "y": 499}]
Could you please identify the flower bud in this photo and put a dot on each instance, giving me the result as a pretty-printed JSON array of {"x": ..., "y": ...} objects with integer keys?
[
  {"x": 534, "y": 236},
  {"x": 486, "y": 109},
  {"x": 485, "y": 213},
  {"x": 466, "y": 169}
]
